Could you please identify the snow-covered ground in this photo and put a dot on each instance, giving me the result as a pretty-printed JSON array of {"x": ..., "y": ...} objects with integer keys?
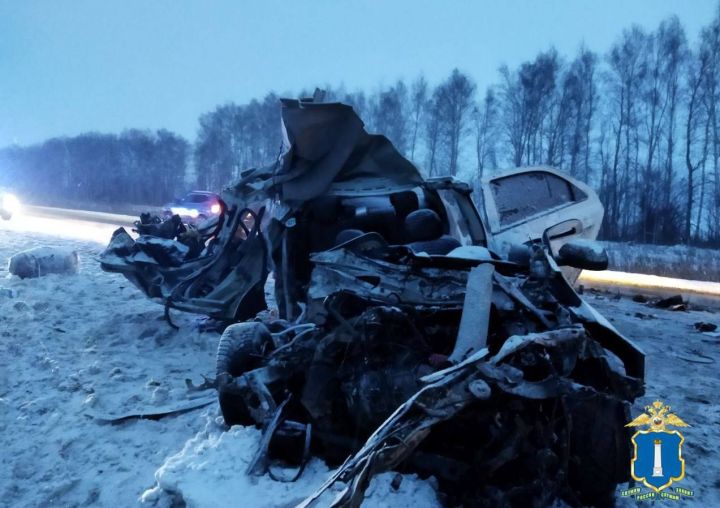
[
  {"x": 79, "y": 347},
  {"x": 85, "y": 344},
  {"x": 682, "y": 371}
]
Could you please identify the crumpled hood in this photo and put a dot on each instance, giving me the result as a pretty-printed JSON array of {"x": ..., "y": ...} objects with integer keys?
[{"x": 328, "y": 151}]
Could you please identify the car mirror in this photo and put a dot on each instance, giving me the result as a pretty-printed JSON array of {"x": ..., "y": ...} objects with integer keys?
[{"x": 583, "y": 254}]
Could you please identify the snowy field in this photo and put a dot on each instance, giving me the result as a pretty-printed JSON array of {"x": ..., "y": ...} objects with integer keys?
[{"x": 77, "y": 349}]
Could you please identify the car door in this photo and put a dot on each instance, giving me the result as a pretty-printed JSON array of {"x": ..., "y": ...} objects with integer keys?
[{"x": 523, "y": 204}]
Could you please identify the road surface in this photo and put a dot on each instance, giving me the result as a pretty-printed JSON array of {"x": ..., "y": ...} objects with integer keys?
[{"x": 72, "y": 224}]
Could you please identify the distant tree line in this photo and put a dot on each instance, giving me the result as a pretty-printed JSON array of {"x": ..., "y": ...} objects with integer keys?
[
  {"x": 640, "y": 123},
  {"x": 134, "y": 167}
]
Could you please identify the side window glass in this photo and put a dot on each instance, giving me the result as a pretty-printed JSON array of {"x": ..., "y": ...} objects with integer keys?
[{"x": 518, "y": 197}]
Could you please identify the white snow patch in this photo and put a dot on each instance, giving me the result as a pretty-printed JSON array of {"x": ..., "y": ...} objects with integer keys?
[{"x": 210, "y": 471}]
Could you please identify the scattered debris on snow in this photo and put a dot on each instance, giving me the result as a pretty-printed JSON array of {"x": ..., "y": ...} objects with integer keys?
[{"x": 95, "y": 344}]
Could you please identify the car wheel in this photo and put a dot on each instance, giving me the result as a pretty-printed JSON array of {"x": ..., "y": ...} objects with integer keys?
[{"x": 241, "y": 349}]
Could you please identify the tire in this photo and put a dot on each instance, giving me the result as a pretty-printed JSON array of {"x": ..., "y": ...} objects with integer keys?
[{"x": 241, "y": 349}]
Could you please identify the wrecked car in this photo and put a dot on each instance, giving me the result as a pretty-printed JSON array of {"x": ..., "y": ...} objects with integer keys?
[{"x": 413, "y": 331}]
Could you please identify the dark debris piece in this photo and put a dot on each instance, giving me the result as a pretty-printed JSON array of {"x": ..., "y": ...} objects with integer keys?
[
  {"x": 671, "y": 302},
  {"x": 702, "y": 326},
  {"x": 641, "y": 315},
  {"x": 695, "y": 356},
  {"x": 396, "y": 481},
  {"x": 152, "y": 225},
  {"x": 164, "y": 251}
]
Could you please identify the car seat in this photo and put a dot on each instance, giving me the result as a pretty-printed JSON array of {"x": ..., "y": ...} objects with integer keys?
[{"x": 424, "y": 233}]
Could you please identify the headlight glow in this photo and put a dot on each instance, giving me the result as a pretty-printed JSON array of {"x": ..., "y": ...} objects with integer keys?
[
  {"x": 215, "y": 208},
  {"x": 185, "y": 212},
  {"x": 10, "y": 203}
]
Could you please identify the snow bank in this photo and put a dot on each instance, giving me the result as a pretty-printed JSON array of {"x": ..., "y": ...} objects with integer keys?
[
  {"x": 210, "y": 471},
  {"x": 679, "y": 261},
  {"x": 637, "y": 280}
]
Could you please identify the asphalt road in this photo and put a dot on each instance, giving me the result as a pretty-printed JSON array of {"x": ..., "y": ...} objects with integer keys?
[{"x": 98, "y": 227}]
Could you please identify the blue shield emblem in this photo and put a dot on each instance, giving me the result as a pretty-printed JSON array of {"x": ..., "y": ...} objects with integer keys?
[{"x": 658, "y": 458}]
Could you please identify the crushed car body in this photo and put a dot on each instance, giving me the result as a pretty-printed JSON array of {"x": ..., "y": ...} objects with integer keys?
[{"x": 414, "y": 332}]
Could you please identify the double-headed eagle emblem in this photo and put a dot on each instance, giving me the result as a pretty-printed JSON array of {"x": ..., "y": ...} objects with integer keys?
[
  {"x": 658, "y": 417},
  {"x": 657, "y": 460}
]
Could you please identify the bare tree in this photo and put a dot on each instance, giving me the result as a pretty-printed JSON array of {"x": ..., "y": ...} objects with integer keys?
[
  {"x": 672, "y": 45},
  {"x": 697, "y": 74},
  {"x": 627, "y": 68},
  {"x": 528, "y": 96},
  {"x": 418, "y": 101},
  {"x": 710, "y": 49},
  {"x": 454, "y": 99},
  {"x": 485, "y": 122},
  {"x": 433, "y": 128},
  {"x": 390, "y": 115},
  {"x": 579, "y": 88},
  {"x": 654, "y": 105},
  {"x": 587, "y": 63}
]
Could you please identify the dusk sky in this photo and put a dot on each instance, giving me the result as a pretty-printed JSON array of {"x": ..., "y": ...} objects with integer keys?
[{"x": 68, "y": 67}]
